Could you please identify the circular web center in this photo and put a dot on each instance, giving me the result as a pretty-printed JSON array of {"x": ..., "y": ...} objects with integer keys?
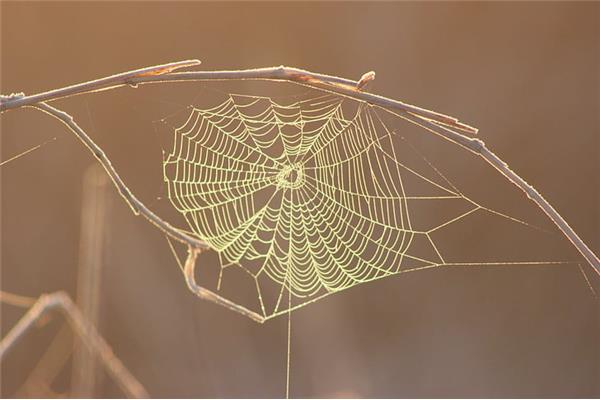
[{"x": 291, "y": 176}]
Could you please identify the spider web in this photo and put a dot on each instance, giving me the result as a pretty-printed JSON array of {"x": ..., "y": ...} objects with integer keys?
[{"x": 305, "y": 200}]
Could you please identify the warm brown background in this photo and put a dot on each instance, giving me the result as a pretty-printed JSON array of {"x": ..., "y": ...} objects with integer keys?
[{"x": 525, "y": 73}]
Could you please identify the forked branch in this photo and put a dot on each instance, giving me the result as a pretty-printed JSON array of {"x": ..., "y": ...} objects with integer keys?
[
  {"x": 88, "y": 334},
  {"x": 163, "y": 73},
  {"x": 440, "y": 124}
]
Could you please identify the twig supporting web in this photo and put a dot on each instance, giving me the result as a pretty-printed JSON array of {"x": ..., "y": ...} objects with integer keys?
[
  {"x": 302, "y": 284},
  {"x": 337, "y": 213},
  {"x": 435, "y": 122}
]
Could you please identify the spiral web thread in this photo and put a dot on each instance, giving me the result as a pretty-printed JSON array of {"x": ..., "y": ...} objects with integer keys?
[{"x": 301, "y": 198}]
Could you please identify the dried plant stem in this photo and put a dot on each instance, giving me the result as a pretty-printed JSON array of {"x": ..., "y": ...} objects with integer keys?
[
  {"x": 86, "y": 332},
  {"x": 203, "y": 293},
  {"x": 162, "y": 73},
  {"x": 17, "y": 300},
  {"x": 136, "y": 206},
  {"x": 440, "y": 124},
  {"x": 17, "y": 100},
  {"x": 478, "y": 147},
  {"x": 95, "y": 208},
  {"x": 50, "y": 364}
]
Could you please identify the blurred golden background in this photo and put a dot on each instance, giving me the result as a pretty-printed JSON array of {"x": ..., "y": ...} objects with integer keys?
[{"x": 526, "y": 74}]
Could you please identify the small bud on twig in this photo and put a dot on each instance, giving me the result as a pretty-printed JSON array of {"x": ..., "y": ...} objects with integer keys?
[{"x": 365, "y": 80}]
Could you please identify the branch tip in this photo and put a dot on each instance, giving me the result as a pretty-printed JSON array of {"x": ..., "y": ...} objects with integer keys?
[{"x": 365, "y": 80}]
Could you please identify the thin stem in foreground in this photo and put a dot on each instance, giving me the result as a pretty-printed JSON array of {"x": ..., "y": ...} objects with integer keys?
[{"x": 88, "y": 334}]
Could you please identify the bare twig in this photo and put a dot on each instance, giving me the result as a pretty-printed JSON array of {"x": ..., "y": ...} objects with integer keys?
[
  {"x": 440, "y": 124},
  {"x": 88, "y": 334},
  {"x": 50, "y": 364},
  {"x": 330, "y": 83},
  {"x": 478, "y": 147},
  {"x": 136, "y": 206},
  {"x": 203, "y": 293},
  {"x": 17, "y": 100},
  {"x": 16, "y": 300}
]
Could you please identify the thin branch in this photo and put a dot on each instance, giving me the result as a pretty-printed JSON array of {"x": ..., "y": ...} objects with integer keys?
[
  {"x": 49, "y": 365},
  {"x": 478, "y": 147},
  {"x": 88, "y": 334},
  {"x": 334, "y": 84},
  {"x": 95, "y": 207},
  {"x": 190, "y": 278},
  {"x": 136, "y": 206},
  {"x": 433, "y": 121},
  {"x": 16, "y": 300},
  {"x": 17, "y": 100}
]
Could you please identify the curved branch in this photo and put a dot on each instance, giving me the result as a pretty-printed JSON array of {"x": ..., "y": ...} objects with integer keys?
[
  {"x": 136, "y": 206},
  {"x": 431, "y": 120},
  {"x": 189, "y": 271}
]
